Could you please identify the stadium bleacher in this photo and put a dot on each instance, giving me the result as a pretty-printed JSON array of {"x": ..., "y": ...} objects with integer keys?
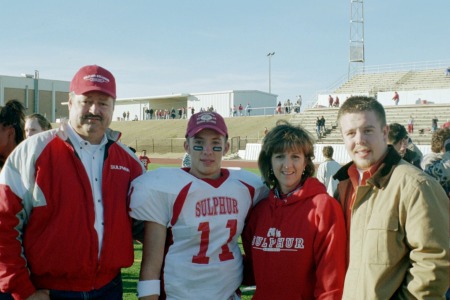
[
  {"x": 422, "y": 115},
  {"x": 431, "y": 79}
]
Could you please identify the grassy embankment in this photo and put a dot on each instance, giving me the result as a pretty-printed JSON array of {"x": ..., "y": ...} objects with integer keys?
[{"x": 251, "y": 127}]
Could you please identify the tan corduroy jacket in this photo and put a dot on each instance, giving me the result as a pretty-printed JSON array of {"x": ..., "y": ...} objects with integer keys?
[{"x": 398, "y": 235}]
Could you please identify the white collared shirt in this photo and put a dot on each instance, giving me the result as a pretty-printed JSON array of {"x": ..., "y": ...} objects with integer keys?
[{"x": 92, "y": 158}]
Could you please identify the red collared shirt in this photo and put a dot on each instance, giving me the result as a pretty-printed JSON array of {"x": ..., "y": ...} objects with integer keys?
[{"x": 354, "y": 175}]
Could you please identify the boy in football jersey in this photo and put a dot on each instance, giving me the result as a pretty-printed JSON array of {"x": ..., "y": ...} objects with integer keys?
[
  {"x": 193, "y": 218},
  {"x": 144, "y": 159}
]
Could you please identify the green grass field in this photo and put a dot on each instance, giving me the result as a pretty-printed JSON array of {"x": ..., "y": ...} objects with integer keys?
[{"x": 130, "y": 276}]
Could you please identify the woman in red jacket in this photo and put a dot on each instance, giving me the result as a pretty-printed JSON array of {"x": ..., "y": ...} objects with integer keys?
[{"x": 295, "y": 240}]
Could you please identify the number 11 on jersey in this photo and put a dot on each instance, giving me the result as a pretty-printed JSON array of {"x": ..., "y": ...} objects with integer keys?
[{"x": 226, "y": 254}]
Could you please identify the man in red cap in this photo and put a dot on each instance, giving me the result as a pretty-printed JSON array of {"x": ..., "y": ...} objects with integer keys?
[
  {"x": 64, "y": 220},
  {"x": 197, "y": 213}
]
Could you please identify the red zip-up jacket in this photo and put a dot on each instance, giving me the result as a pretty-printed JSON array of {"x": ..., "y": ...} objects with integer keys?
[
  {"x": 48, "y": 239},
  {"x": 295, "y": 247}
]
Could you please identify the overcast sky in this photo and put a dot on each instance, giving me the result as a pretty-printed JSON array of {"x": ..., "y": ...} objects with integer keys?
[{"x": 191, "y": 46}]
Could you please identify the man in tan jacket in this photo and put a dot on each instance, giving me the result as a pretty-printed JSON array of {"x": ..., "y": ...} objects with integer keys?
[{"x": 396, "y": 215}]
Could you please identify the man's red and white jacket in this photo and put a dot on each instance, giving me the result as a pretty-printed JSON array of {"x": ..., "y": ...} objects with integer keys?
[{"x": 47, "y": 234}]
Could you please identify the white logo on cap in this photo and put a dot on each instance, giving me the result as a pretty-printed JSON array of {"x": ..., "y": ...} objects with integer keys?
[
  {"x": 206, "y": 118},
  {"x": 96, "y": 78}
]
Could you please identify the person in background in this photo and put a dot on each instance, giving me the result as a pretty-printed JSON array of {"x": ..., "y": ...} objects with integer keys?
[
  {"x": 248, "y": 109},
  {"x": 434, "y": 124},
  {"x": 145, "y": 160},
  {"x": 413, "y": 147},
  {"x": 398, "y": 138},
  {"x": 336, "y": 102},
  {"x": 446, "y": 124},
  {"x": 396, "y": 98},
  {"x": 278, "y": 109},
  {"x": 397, "y": 216},
  {"x": 322, "y": 125},
  {"x": 327, "y": 169},
  {"x": 318, "y": 127},
  {"x": 295, "y": 240},
  {"x": 299, "y": 103},
  {"x": 151, "y": 112},
  {"x": 234, "y": 110},
  {"x": 288, "y": 106},
  {"x": 36, "y": 123},
  {"x": 193, "y": 219},
  {"x": 65, "y": 229},
  {"x": 411, "y": 125},
  {"x": 12, "y": 123},
  {"x": 437, "y": 163},
  {"x": 241, "y": 109}
]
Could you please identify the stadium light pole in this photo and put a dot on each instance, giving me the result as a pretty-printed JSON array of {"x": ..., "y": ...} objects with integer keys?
[
  {"x": 270, "y": 70},
  {"x": 36, "y": 91}
]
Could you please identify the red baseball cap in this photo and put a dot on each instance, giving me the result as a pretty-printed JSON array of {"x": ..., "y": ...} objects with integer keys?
[
  {"x": 93, "y": 78},
  {"x": 206, "y": 120}
]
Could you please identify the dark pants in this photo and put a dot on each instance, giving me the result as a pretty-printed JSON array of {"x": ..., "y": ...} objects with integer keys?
[{"x": 111, "y": 291}]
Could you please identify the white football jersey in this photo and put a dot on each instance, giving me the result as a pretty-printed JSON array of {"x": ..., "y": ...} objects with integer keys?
[{"x": 205, "y": 218}]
